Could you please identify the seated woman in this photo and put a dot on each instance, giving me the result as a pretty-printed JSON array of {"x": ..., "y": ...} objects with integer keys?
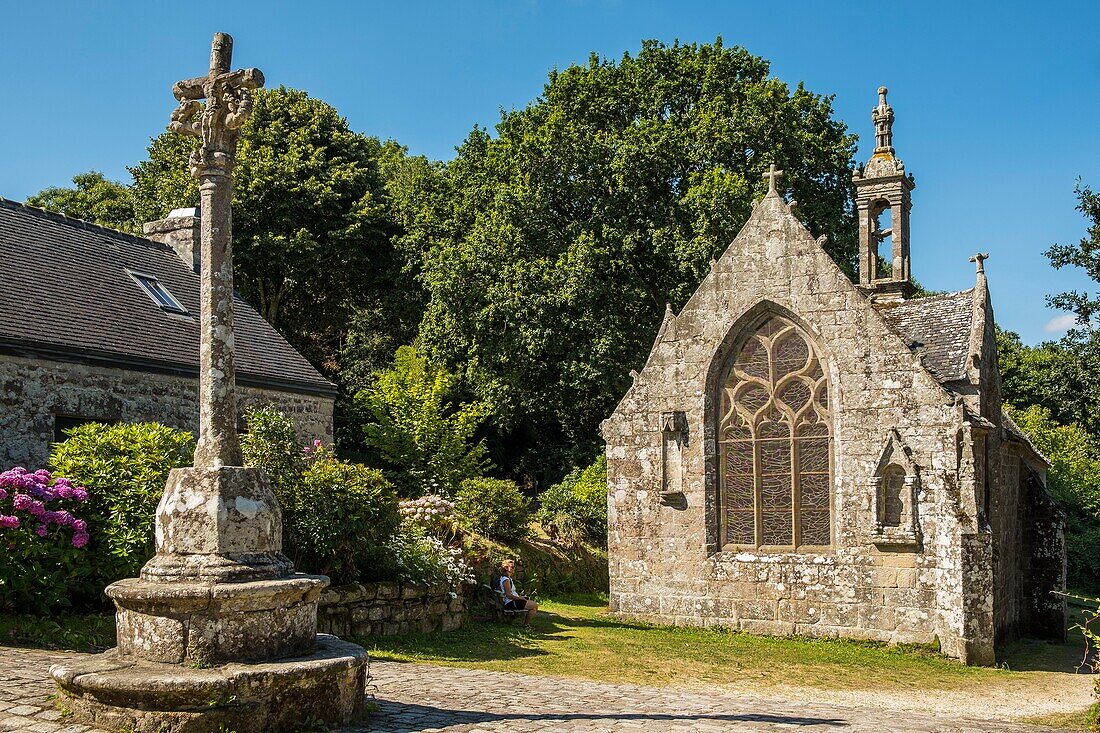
[{"x": 513, "y": 601}]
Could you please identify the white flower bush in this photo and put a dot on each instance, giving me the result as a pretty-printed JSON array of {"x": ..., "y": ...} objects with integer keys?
[
  {"x": 432, "y": 513},
  {"x": 420, "y": 546},
  {"x": 425, "y": 560}
]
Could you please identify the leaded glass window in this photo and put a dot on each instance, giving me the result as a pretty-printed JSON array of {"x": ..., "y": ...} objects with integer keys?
[{"x": 773, "y": 438}]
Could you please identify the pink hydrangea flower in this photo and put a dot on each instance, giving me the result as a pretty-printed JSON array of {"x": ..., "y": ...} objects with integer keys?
[
  {"x": 9, "y": 522},
  {"x": 80, "y": 493},
  {"x": 80, "y": 539},
  {"x": 41, "y": 530},
  {"x": 22, "y": 502},
  {"x": 36, "y": 509},
  {"x": 79, "y": 525}
]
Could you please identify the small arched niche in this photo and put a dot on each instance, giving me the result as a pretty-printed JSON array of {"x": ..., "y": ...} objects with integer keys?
[{"x": 895, "y": 486}]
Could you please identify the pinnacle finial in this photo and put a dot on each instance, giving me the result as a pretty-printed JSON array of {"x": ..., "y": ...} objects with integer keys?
[
  {"x": 979, "y": 259},
  {"x": 883, "y": 118},
  {"x": 771, "y": 175}
]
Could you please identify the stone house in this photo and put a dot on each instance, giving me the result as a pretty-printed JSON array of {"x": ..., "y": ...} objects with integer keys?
[
  {"x": 802, "y": 454},
  {"x": 96, "y": 325}
]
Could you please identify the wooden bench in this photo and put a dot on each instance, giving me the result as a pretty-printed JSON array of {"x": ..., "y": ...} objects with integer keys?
[{"x": 494, "y": 604}]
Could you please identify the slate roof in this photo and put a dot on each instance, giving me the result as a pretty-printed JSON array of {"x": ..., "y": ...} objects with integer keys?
[
  {"x": 937, "y": 328},
  {"x": 67, "y": 293},
  {"x": 1016, "y": 433}
]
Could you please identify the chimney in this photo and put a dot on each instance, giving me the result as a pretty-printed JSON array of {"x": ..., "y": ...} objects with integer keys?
[{"x": 180, "y": 231}]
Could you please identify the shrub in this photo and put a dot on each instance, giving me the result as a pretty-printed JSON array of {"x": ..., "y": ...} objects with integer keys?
[
  {"x": 576, "y": 509},
  {"x": 42, "y": 559},
  {"x": 419, "y": 428},
  {"x": 124, "y": 468},
  {"x": 493, "y": 507},
  {"x": 423, "y": 559},
  {"x": 271, "y": 443},
  {"x": 343, "y": 514}
]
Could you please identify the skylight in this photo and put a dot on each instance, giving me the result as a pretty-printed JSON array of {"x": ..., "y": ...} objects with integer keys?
[{"x": 156, "y": 290}]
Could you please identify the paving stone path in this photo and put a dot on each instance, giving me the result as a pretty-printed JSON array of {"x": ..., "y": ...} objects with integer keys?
[{"x": 415, "y": 698}]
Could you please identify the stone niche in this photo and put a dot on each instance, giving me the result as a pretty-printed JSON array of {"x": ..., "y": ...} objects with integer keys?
[
  {"x": 392, "y": 609},
  {"x": 895, "y": 487}
]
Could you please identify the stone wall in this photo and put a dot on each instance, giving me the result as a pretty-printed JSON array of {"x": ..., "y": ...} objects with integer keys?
[
  {"x": 667, "y": 561},
  {"x": 33, "y": 393},
  {"x": 390, "y": 609}
]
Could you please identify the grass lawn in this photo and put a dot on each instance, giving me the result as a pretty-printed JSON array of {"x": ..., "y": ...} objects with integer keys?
[{"x": 577, "y": 638}]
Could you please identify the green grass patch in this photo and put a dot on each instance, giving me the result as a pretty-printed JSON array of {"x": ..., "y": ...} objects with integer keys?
[
  {"x": 578, "y": 638},
  {"x": 89, "y": 632},
  {"x": 1080, "y": 720}
]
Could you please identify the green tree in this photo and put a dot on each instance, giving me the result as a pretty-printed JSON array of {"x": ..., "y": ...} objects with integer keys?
[
  {"x": 419, "y": 429},
  {"x": 1074, "y": 480},
  {"x": 92, "y": 198},
  {"x": 1084, "y": 254},
  {"x": 311, "y": 228},
  {"x": 550, "y": 250}
]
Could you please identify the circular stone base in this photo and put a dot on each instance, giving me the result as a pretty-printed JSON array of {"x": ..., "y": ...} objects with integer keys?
[
  {"x": 117, "y": 693},
  {"x": 208, "y": 624}
]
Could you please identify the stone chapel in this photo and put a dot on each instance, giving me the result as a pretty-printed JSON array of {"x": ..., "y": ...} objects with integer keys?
[{"x": 802, "y": 454}]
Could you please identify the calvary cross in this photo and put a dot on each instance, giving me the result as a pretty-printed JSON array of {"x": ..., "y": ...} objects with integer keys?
[{"x": 228, "y": 96}]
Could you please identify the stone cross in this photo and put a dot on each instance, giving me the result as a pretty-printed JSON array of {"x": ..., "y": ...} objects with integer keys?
[
  {"x": 883, "y": 117},
  {"x": 980, "y": 259},
  {"x": 228, "y": 96},
  {"x": 771, "y": 175}
]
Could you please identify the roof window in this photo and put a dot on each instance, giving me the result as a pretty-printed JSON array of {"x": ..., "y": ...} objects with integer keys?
[{"x": 156, "y": 290}]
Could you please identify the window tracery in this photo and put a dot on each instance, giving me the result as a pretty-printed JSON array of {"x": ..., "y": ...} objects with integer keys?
[{"x": 774, "y": 439}]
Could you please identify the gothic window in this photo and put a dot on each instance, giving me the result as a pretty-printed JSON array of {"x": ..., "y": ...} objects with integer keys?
[{"x": 773, "y": 440}]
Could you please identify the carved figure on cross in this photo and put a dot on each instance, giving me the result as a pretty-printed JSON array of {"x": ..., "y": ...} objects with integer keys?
[
  {"x": 228, "y": 96},
  {"x": 771, "y": 175}
]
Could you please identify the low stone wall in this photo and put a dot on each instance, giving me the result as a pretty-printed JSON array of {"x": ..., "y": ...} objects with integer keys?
[{"x": 391, "y": 609}]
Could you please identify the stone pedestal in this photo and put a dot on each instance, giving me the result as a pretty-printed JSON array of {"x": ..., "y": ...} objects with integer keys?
[
  {"x": 206, "y": 624},
  {"x": 114, "y": 691},
  {"x": 218, "y": 633}
]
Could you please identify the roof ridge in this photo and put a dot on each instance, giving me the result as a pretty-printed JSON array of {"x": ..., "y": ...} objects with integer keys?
[
  {"x": 913, "y": 302},
  {"x": 74, "y": 221}
]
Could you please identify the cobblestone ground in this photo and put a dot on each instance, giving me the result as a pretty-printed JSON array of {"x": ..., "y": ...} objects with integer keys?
[{"x": 414, "y": 697}]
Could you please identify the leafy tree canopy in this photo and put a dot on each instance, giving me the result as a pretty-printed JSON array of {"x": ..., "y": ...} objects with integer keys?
[
  {"x": 550, "y": 250},
  {"x": 311, "y": 227},
  {"x": 92, "y": 198},
  {"x": 1084, "y": 254}
]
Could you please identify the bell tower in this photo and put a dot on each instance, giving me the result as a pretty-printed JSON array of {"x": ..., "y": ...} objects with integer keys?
[{"x": 882, "y": 204}]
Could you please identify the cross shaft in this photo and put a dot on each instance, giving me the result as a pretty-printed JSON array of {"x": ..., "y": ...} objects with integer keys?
[{"x": 228, "y": 96}]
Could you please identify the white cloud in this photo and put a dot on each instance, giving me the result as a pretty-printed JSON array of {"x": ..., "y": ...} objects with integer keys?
[{"x": 1061, "y": 324}]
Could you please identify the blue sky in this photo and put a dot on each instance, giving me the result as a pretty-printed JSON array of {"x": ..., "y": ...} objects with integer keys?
[{"x": 996, "y": 103}]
